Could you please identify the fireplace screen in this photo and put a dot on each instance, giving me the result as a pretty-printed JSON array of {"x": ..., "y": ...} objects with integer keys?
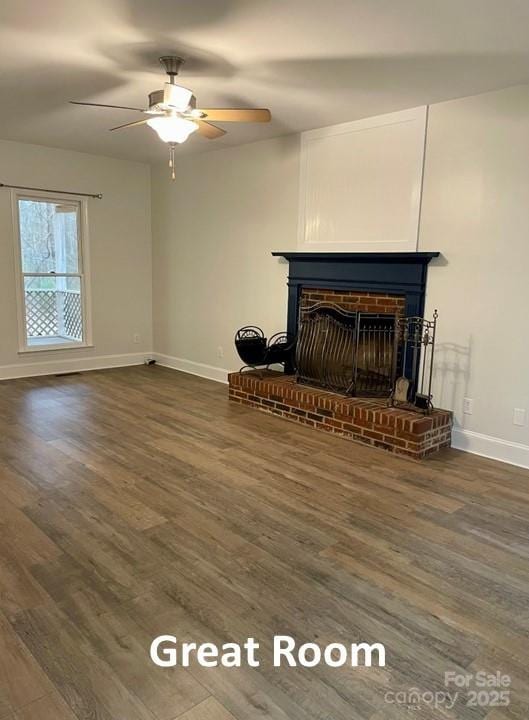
[{"x": 348, "y": 352}]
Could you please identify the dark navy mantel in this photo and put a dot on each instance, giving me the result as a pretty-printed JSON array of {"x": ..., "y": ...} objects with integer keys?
[{"x": 398, "y": 273}]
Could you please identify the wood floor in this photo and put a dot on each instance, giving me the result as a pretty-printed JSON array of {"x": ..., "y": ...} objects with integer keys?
[{"x": 138, "y": 502}]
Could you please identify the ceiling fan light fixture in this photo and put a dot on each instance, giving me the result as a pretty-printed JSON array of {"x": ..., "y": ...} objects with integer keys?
[{"x": 172, "y": 129}]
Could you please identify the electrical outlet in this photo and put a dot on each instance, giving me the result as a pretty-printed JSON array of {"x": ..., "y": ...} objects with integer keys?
[
  {"x": 220, "y": 352},
  {"x": 468, "y": 406},
  {"x": 136, "y": 338},
  {"x": 518, "y": 417}
]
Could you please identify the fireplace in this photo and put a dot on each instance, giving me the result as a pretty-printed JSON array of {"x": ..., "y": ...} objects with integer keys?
[
  {"x": 366, "y": 282},
  {"x": 358, "y": 321}
]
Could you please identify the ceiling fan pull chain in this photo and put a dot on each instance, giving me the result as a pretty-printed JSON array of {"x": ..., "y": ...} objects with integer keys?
[{"x": 171, "y": 160}]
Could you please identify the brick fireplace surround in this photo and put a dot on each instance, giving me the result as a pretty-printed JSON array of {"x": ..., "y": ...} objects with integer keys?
[{"x": 367, "y": 302}]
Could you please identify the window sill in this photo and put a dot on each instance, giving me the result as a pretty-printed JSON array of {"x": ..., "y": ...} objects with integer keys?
[{"x": 55, "y": 348}]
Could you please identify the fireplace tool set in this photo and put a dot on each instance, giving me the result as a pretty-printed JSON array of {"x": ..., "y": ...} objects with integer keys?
[
  {"x": 353, "y": 353},
  {"x": 416, "y": 338}
]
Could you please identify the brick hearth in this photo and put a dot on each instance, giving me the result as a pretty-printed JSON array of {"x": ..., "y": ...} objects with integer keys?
[{"x": 365, "y": 420}]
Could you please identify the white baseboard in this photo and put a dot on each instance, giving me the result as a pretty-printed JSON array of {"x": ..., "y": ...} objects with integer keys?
[
  {"x": 193, "y": 368},
  {"x": 506, "y": 451},
  {"x": 52, "y": 367}
]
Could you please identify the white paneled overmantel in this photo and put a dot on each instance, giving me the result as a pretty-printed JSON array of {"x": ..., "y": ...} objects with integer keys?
[{"x": 361, "y": 184}]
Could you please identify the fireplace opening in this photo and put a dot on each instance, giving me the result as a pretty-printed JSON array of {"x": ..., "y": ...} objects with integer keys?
[{"x": 347, "y": 351}]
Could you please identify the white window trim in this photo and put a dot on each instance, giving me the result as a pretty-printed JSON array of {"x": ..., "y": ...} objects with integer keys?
[{"x": 84, "y": 266}]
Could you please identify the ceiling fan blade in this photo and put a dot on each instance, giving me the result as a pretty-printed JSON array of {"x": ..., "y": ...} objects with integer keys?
[
  {"x": 131, "y": 124},
  {"x": 211, "y": 132},
  {"x": 118, "y": 107},
  {"x": 237, "y": 114}
]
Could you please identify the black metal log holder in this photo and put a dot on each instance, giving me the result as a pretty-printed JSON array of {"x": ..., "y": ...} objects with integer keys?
[
  {"x": 416, "y": 338},
  {"x": 258, "y": 352}
]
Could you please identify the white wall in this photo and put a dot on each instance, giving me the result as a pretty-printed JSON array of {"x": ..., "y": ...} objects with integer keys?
[
  {"x": 120, "y": 256},
  {"x": 476, "y": 211},
  {"x": 214, "y": 228}
]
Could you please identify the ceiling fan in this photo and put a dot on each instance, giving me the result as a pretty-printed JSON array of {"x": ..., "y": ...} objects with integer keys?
[{"x": 174, "y": 116}]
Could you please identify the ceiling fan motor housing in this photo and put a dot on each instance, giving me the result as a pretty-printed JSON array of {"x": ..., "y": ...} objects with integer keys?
[{"x": 157, "y": 101}]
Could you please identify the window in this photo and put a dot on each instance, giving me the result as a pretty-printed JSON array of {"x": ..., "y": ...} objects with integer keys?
[{"x": 52, "y": 273}]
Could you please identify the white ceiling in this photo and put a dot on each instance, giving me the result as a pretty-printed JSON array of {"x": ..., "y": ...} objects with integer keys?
[{"x": 312, "y": 62}]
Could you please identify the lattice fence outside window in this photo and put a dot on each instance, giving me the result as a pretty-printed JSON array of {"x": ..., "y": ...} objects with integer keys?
[
  {"x": 72, "y": 315},
  {"x": 51, "y": 313},
  {"x": 41, "y": 313}
]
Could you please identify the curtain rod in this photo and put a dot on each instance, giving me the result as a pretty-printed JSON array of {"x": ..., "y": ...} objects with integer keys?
[{"x": 99, "y": 196}]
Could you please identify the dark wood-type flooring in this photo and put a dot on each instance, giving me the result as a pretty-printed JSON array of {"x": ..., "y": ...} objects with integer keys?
[{"x": 139, "y": 501}]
